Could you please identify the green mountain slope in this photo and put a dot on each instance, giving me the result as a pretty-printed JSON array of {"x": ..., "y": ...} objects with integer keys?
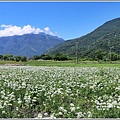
[{"x": 104, "y": 37}]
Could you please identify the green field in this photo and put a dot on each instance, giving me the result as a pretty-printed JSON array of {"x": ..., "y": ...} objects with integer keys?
[{"x": 64, "y": 63}]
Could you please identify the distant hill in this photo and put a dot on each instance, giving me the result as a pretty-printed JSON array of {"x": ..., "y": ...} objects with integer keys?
[
  {"x": 28, "y": 44},
  {"x": 104, "y": 37}
]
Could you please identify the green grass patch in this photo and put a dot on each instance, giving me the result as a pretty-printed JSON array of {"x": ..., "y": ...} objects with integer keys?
[
  {"x": 72, "y": 64},
  {"x": 63, "y": 63}
]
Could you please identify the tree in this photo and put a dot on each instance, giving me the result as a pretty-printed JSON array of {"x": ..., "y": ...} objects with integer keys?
[
  {"x": 17, "y": 58},
  {"x": 1, "y": 56},
  {"x": 36, "y": 57},
  {"x": 60, "y": 57},
  {"x": 99, "y": 55},
  {"x": 8, "y": 57},
  {"x": 5, "y": 57},
  {"x": 42, "y": 56},
  {"x": 113, "y": 56},
  {"x": 63, "y": 57},
  {"x": 23, "y": 59},
  {"x": 47, "y": 57},
  {"x": 57, "y": 56}
]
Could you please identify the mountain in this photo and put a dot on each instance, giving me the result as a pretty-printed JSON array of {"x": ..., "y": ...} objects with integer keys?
[
  {"x": 28, "y": 44},
  {"x": 104, "y": 37}
]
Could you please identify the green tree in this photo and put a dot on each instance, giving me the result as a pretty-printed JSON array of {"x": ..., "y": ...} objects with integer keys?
[
  {"x": 99, "y": 55},
  {"x": 1, "y": 57},
  {"x": 47, "y": 57},
  {"x": 36, "y": 57},
  {"x": 8, "y": 57},
  {"x": 42, "y": 56},
  {"x": 60, "y": 57},
  {"x": 17, "y": 58},
  {"x": 113, "y": 56},
  {"x": 63, "y": 57},
  {"x": 57, "y": 56},
  {"x": 23, "y": 59}
]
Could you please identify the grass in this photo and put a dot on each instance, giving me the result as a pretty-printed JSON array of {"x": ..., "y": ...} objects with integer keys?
[{"x": 64, "y": 63}]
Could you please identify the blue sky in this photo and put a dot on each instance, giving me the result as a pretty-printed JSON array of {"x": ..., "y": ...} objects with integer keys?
[{"x": 67, "y": 19}]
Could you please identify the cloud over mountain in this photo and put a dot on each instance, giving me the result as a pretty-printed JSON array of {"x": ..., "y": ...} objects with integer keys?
[{"x": 10, "y": 30}]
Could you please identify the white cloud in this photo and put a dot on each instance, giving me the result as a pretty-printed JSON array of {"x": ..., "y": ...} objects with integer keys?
[
  {"x": 10, "y": 30},
  {"x": 5, "y": 26},
  {"x": 47, "y": 31}
]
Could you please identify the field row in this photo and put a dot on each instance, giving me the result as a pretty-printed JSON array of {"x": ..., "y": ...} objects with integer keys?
[{"x": 59, "y": 92}]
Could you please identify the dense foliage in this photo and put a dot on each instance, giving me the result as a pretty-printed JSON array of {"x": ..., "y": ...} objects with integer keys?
[
  {"x": 106, "y": 38},
  {"x": 56, "y": 57},
  {"x": 10, "y": 57}
]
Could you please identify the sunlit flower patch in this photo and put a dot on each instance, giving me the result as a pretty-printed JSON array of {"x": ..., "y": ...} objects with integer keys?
[{"x": 59, "y": 92}]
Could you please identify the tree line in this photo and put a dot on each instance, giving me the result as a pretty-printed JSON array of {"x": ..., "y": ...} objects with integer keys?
[
  {"x": 13, "y": 58},
  {"x": 99, "y": 54},
  {"x": 56, "y": 57}
]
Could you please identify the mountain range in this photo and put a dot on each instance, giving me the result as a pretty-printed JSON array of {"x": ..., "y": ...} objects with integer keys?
[
  {"x": 105, "y": 37},
  {"x": 28, "y": 44}
]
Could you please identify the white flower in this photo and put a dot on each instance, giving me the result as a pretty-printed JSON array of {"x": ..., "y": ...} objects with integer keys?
[
  {"x": 23, "y": 84},
  {"x": 40, "y": 115},
  {"x": 71, "y": 104},
  {"x": 34, "y": 99},
  {"x": 110, "y": 105},
  {"x": 9, "y": 104},
  {"x": 72, "y": 109},
  {"x": 46, "y": 114},
  {"x": 118, "y": 107},
  {"x": 61, "y": 108},
  {"x": 89, "y": 114},
  {"x": 17, "y": 108},
  {"x": 117, "y": 88},
  {"x": 65, "y": 111},
  {"x": 3, "y": 112},
  {"x": 60, "y": 113},
  {"x": 19, "y": 101},
  {"x": 52, "y": 116},
  {"x": 114, "y": 103},
  {"x": 80, "y": 115}
]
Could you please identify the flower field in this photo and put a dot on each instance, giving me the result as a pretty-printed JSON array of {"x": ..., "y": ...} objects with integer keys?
[{"x": 59, "y": 92}]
